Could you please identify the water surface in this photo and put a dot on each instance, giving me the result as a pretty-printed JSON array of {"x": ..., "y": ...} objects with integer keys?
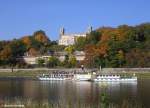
[{"x": 74, "y": 91}]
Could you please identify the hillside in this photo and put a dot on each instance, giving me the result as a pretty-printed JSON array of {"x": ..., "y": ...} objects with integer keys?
[{"x": 123, "y": 46}]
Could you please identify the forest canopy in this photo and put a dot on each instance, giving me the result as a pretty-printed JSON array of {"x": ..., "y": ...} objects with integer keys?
[{"x": 123, "y": 46}]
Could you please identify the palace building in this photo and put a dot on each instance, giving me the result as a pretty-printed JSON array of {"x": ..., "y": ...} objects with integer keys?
[{"x": 69, "y": 39}]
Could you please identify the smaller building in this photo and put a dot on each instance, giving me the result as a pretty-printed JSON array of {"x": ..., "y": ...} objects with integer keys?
[
  {"x": 80, "y": 55},
  {"x": 32, "y": 60}
]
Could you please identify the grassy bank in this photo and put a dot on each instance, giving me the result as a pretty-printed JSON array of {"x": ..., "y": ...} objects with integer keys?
[
  {"x": 33, "y": 74},
  {"x": 139, "y": 74}
]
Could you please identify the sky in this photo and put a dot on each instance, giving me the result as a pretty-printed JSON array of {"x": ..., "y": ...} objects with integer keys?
[{"x": 23, "y": 17}]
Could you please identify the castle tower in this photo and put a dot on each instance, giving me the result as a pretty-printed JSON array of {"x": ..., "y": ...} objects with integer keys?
[
  {"x": 89, "y": 29},
  {"x": 62, "y": 32}
]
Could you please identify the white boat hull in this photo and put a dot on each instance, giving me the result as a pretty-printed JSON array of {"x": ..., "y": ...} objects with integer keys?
[
  {"x": 83, "y": 77},
  {"x": 88, "y": 77},
  {"x": 115, "y": 80},
  {"x": 51, "y": 79}
]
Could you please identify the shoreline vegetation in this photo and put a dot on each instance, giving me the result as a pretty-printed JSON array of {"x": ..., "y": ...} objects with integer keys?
[
  {"x": 104, "y": 103},
  {"x": 33, "y": 73}
]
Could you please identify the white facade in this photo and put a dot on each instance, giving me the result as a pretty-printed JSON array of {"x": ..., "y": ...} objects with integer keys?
[
  {"x": 69, "y": 39},
  {"x": 80, "y": 56},
  {"x": 30, "y": 60},
  {"x": 33, "y": 60}
]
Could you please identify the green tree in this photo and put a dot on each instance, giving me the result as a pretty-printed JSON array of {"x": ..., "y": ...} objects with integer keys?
[
  {"x": 65, "y": 63},
  {"x": 70, "y": 49},
  {"x": 80, "y": 43},
  {"x": 18, "y": 48},
  {"x": 53, "y": 62},
  {"x": 93, "y": 37},
  {"x": 56, "y": 48},
  {"x": 40, "y": 61},
  {"x": 72, "y": 61}
]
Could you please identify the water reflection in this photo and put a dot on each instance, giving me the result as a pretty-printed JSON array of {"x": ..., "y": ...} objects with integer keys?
[
  {"x": 118, "y": 91},
  {"x": 85, "y": 92}
]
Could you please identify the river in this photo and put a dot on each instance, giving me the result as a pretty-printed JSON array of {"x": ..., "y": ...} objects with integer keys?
[{"x": 73, "y": 91}]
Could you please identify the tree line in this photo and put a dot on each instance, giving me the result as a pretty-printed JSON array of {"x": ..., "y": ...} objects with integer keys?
[{"x": 123, "y": 46}]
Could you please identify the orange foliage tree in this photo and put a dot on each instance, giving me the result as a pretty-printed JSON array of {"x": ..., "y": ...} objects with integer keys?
[
  {"x": 33, "y": 52},
  {"x": 27, "y": 41},
  {"x": 40, "y": 36},
  {"x": 6, "y": 53}
]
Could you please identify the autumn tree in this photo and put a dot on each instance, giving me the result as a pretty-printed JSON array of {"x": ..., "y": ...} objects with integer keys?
[
  {"x": 33, "y": 52},
  {"x": 6, "y": 53},
  {"x": 27, "y": 41},
  {"x": 10, "y": 51},
  {"x": 40, "y": 36}
]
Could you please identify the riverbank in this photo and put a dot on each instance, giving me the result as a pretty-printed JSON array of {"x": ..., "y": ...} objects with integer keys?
[
  {"x": 22, "y": 74},
  {"x": 104, "y": 70},
  {"x": 33, "y": 73}
]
